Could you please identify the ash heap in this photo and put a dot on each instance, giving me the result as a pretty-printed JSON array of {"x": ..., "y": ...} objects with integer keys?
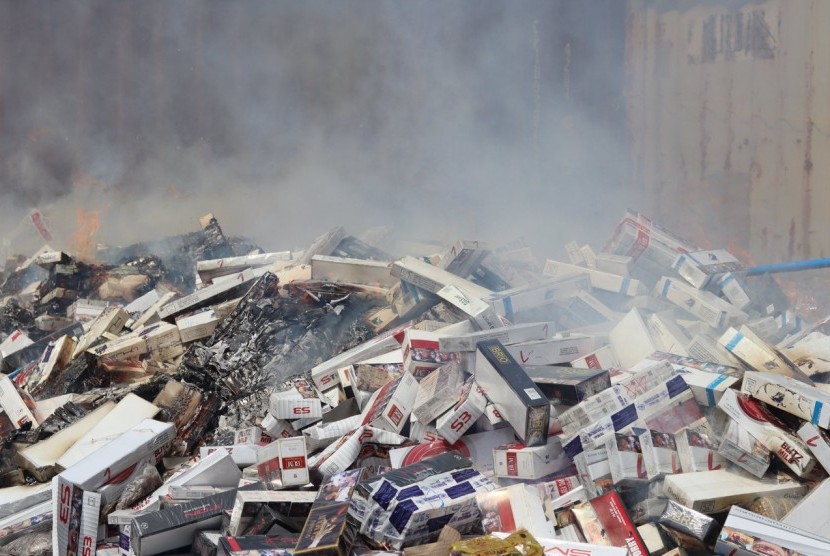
[{"x": 200, "y": 396}]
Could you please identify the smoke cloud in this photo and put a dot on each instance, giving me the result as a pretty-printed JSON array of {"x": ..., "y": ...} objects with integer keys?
[{"x": 477, "y": 119}]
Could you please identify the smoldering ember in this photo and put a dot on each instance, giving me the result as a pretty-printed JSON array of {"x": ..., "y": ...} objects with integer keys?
[{"x": 199, "y": 395}]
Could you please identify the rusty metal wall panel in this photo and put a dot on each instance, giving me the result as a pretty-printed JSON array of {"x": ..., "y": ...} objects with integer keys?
[{"x": 729, "y": 121}]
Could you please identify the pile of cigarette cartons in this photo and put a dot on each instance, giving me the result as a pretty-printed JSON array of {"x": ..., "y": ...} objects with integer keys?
[{"x": 646, "y": 398}]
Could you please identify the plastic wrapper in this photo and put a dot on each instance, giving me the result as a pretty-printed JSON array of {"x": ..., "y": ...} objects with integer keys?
[
  {"x": 145, "y": 483},
  {"x": 519, "y": 543},
  {"x": 691, "y": 530}
]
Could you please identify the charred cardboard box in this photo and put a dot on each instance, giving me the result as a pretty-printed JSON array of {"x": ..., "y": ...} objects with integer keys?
[
  {"x": 567, "y": 385},
  {"x": 175, "y": 527},
  {"x": 517, "y": 398},
  {"x": 262, "y": 545},
  {"x": 327, "y": 529}
]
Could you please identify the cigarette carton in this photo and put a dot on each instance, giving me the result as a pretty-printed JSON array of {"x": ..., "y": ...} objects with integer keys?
[
  {"x": 458, "y": 420},
  {"x": 790, "y": 395},
  {"x": 744, "y": 449},
  {"x": 569, "y": 386},
  {"x": 817, "y": 441},
  {"x": 659, "y": 454},
  {"x": 353, "y": 271},
  {"x": 605, "y": 521},
  {"x": 261, "y": 545},
  {"x": 700, "y": 268},
  {"x": 438, "y": 392},
  {"x": 111, "y": 320},
  {"x": 689, "y": 529},
  {"x": 756, "y": 353},
  {"x": 614, "y": 264},
  {"x": 602, "y": 358},
  {"x": 517, "y": 461},
  {"x": 203, "y": 296},
  {"x": 75, "y": 518},
  {"x": 600, "y": 280},
  {"x": 297, "y": 402},
  {"x": 129, "y": 412},
  {"x": 478, "y": 447},
  {"x": 697, "y": 451},
  {"x": 512, "y": 508},
  {"x": 517, "y": 398},
  {"x": 15, "y": 342},
  {"x": 735, "y": 289},
  {"x": 463, "y": 257},
  {"x": 810, "y": 514},
  {"x": 247, "y": 504},
  {"x": 421, "y": 355},
  {"x": 40, "y": 459},
  {"x": 515, "y": 301},
  {"x": 282, "y": 463},
  {"x": 558, "y": 349},
  {"x": 390, "y": 407},
  {"x": 146, "y": 440},
  {"x": 747, "y": 533},
  {"x": 711, "y": 492},
  {"x": 703, "y": 304},
  {"x": 213, "y": 268},
  {"x": 431, "y": 278},
  {"x": 481, "y": 314},
  {"x": 507, "y": 335},
  {"x": 760, "y": 423},
  {"x": 175, "y": 527},
  {"x": 214, "y": 469},
  {"x": 14, "y": 407},
  {"x": 625, "y": 458}
]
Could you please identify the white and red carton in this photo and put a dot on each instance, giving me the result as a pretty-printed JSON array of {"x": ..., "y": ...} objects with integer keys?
[
  {"x": 283, "y": 463},
  {"x": 625, "y": 457},
  {"x": 698, "y": 452},
  {"x": 390, "y": 407},
  {"x": 558, "y": 349},
  {"x": 470, "y": 406},
  {"x": 817, "y": 441},
  {"x": 790, "y": 395},
  {"x": 602, "y": 358},
  {"x": 604, "y": 520},
  {"x": 760, "y": 423},
  {"x": 75, "y": 514},
  {"x": 512, "y": 508},
  {"x": 421, "y": 353},
  {"x": 297, "y": 402},
  {"x": 438, "y": 392},
  {"x": 14, "y": 407},
  {"x": 659, "y": 454},
  {"x": 477, "y": 446},
  {"x": 517, "y": 461},
  {"x": 507, "y": 335}
]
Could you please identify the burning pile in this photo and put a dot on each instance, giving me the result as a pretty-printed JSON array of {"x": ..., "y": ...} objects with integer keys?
[{"x": 651, "y": 398}]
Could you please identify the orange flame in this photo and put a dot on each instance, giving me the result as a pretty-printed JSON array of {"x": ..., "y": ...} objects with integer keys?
[{"x": 87, "y": 223}]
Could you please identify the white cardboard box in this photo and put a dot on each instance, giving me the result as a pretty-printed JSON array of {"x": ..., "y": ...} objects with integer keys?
[
  {"x": 389, "y": 407},
  {"x": 128, "y": 413},
  {"x": 558, "y": 349},
  {"x": 458, "y": 420},
  {"x": 715, "y": 491},
  {"x": 517, "y": 461}
]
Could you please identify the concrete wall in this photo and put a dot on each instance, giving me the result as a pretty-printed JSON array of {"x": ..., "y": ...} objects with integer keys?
[{"x": 729, "y": 118}]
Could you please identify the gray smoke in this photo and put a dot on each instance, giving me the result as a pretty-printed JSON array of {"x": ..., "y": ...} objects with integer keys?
[{"x": 476, "y": 119}]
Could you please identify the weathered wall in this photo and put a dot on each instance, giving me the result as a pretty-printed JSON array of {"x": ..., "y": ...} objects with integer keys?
[{"x": 729, "y": 119}]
